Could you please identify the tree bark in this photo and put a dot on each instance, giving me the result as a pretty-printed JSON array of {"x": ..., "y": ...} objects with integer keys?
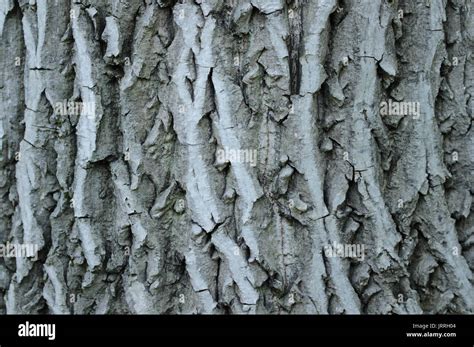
[{"x": 215, "y": 156}]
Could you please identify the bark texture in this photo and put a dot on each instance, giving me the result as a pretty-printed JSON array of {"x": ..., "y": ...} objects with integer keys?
[{"x": 134, "y": 209}]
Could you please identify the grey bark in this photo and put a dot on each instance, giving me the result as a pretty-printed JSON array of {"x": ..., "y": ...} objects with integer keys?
[{"x": 133, "y": 211}]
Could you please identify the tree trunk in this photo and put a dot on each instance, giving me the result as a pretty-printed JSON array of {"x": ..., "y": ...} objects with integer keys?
[{"x": 245, "y": 156}]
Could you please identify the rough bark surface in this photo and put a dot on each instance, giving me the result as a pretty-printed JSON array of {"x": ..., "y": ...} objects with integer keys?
[{"x": 135, "y": 210}]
